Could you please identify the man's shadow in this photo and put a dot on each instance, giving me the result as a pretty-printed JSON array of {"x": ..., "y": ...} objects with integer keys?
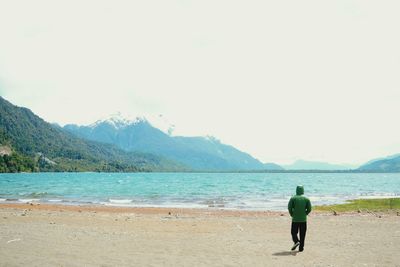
[{"x": 285, "y": 253}]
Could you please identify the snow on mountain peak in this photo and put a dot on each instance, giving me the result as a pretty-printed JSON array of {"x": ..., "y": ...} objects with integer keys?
[{"x": 118, "y": 121}]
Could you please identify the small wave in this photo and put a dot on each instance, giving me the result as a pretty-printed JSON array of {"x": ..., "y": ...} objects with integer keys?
[
  {"x": 55, "y": 200},
  {"x": 120, "y": 201},
  {"x": 214, "y": 203},
  {"x": 380, "y": 196},
  {"x": 3, "y": 199},
  {"x": 324, "y": 198},
  {"x": 25, "y": 200}
]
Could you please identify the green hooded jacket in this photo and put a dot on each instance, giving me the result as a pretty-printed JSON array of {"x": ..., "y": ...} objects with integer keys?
[{"x": 299, "y": 206}]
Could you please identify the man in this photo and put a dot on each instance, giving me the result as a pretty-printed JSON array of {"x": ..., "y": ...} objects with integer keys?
[{"x": 299, "y": 207}]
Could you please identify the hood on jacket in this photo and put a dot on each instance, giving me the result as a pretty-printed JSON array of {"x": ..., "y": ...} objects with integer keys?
[{"x": 299, "y": 190}]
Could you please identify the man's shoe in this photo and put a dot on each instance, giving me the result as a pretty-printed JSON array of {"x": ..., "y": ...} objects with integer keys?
[
  {"x": 295, "y": 245},
  {"x": 301, "y": 249}
]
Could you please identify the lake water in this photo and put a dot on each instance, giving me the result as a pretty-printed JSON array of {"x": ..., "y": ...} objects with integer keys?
[{"x": 249, "y": 191}]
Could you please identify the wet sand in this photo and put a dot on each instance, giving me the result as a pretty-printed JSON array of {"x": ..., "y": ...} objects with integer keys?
[{"x": 55, "y": 235}]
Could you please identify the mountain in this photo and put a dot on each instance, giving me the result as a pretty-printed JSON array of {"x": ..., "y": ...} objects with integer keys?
[
  {"x": 38, "y": 145},
  {"x": 388, "y": 164},
  {"x": 273, "y": 166},
  {"x": 199, "y": 153},
  {"x": 316, "y": 165}
]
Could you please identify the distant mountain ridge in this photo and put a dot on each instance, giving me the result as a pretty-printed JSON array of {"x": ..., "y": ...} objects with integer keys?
[
  {"x": 200, "y": 153},
  {"x": 316, "y": 165},
  {"x": 28, "y": 143},
  {"x": 387, "y": 164}
]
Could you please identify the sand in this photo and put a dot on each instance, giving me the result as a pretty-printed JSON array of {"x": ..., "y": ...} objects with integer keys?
[{"x": 51, "y": 235}]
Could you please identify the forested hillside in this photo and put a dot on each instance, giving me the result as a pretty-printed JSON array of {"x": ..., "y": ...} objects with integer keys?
[{"x": 39, "y": 146}]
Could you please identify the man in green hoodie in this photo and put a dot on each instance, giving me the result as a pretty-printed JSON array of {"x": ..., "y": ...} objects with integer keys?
[{"x": 299, "y": 207}]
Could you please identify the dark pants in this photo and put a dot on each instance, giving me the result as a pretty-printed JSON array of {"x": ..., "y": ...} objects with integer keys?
[{"x": 296, "y": 226}]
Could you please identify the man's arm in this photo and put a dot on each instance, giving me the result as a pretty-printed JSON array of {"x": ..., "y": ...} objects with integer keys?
[
  {"x": 308, "y": 206},
  {"x": 290, "y": 206}
]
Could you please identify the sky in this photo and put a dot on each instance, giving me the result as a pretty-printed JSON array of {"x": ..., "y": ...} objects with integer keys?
[{"x": 281, "y": 80}]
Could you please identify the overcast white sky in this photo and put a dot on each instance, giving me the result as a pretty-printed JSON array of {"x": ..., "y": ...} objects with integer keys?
[{"x": 282, "y": 80}]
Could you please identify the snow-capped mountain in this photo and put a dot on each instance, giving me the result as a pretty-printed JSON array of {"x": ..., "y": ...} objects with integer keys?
[
  {"x": 154, "y": 136},
  {"x": 115, "y": 120},
  {"x": 119, "y": 121}
]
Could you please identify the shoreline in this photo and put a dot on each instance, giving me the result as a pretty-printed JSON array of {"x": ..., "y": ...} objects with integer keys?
[
  {"x": 141, "y": 210},
  {"x": 228, "y": 171},
  {"x": 207, "y": 212},
  {"x": 116, "y": 208}
]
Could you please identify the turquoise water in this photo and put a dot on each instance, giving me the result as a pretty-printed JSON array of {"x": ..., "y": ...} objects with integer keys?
[{"x": 250, "y": 191}]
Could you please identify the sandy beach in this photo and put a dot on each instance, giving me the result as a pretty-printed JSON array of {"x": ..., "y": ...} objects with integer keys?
[{"x": 53, "y": 235}]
